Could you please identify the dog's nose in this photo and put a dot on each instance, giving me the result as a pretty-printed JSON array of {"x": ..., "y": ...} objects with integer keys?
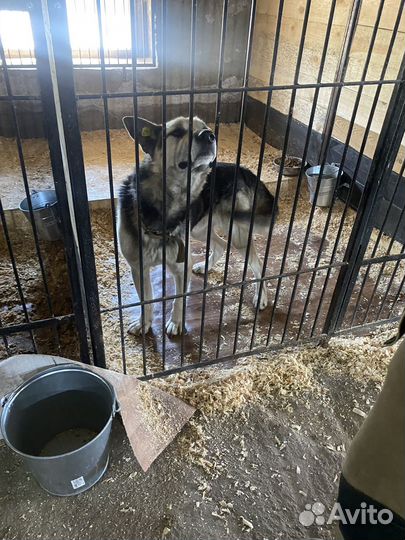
[{"x": 206, "y": 136}]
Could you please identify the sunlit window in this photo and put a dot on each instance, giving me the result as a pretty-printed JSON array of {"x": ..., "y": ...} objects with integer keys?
[{"x": 18, "y": 43}]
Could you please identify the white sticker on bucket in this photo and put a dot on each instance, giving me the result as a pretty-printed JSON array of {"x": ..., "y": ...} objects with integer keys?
[{"x": 78, "y": 482}]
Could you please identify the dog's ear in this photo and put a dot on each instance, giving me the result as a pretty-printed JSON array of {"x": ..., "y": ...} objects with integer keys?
[{"x": 148, "y": 133}]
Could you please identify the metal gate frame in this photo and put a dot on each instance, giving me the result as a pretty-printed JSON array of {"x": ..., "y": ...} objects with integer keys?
[
  {"x": 55, "y": 68},
  {"x": 63, "y": 135},
  {"x": 389, "y": 142}
]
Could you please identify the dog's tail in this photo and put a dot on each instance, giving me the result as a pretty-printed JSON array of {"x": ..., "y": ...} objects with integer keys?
[{"x": 265, "y": 206}]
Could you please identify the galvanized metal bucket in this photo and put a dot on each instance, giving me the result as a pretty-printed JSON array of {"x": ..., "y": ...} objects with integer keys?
[
  {"x": 327, "y": 183},
  {"x": 59, "y": 423},
  {"x": 45, "y": 210}
]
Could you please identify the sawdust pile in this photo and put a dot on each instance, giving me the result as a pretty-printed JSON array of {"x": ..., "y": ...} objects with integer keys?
[
  {"x": 291, "y": 376},
  {"x": 218, "y": 390},
  {"x": 159, "y": 419},
  {"x": 365, "y": 358},
  {"x": 289, "y": 373}
]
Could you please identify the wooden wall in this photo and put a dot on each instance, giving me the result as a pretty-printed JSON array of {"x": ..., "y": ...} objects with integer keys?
[{"x": 293, "y": 15}]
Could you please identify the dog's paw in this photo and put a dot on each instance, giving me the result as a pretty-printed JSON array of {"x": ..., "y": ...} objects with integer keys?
[
  {"x": 263, "y": 300},
  {"x": 136, "y": 328},
  {"x": 199, "y": 268},
  {"x": 173, "y": 328}
]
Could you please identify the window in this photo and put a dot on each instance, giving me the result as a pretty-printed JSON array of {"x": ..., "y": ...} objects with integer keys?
[{"x": 18, "y": 43}]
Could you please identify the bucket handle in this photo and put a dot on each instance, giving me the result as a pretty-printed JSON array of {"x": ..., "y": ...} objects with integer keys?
[{"x": 117, "y": 407}]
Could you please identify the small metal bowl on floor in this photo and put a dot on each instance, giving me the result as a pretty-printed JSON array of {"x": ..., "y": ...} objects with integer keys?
[{"x": 292, "y": 165}]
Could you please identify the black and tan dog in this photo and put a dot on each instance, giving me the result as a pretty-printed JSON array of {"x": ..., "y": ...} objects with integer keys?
[{"x": 203, "y": 154}]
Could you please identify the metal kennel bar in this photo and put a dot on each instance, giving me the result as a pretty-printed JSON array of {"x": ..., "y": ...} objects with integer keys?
[
  {"x": 260, "y": 165},
  {"x": 5, "y": 330},
  {"x": 60, "y": 172},
  {"x": 331, "y": 114},
  {"x": 137, "y": 162},
  {"x": 58, "y": 28},
  {"x": 227, "y": 90},
  {"x": 164, "y": 180},
  {"x": 373, "y": 258},
  {"x": 238, "y": 159},
  {"x": 52, "y": 322},
  {"x": 312, "y": 297},
  {"x": 212, "y": 190},
  {"x": 362, "y": 148},
  {"x": 25, "y": 179},
  {"x": 388, "y": 146},
  {"x": 283, "y": 158},
  {"x": 111, "y": 179},
  {"x": 191, "y": 93},
  {"x": 342, "y": 162},
  {"x": 17, "y": 279},
  {"x": 189, "y": 161}
]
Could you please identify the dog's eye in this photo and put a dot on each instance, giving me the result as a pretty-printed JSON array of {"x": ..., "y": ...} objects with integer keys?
[{"x": 178, "y": 133}]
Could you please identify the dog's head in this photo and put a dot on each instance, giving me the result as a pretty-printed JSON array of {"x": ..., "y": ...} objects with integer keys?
[{"x": 149, "y": 136}]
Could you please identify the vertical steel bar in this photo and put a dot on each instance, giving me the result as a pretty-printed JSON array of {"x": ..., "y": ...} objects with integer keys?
[
  {"x": 373, "y": 253},
  {"x": 27, "y": 190},
  {"x": 340, "y": 75},
  {"x": 188, "y": 198},
  {"x": 58, "y": 27},
  {"x": 260, "y": 164},
  {"x": 389, "y": 141},
  {"x": 51, "y": 128},
  {"x": 331, "y": 118},
  {"x": 401, "y": 215},
  {"x": 283, "y": 156},
  {"x": 138, "y": 184},
  {"x": 312, "y": 117},
  {"x": 387, "y": 288},
  {"x": 359, "y": 160},
  {"x": 164, "y": 180},
  {"x": 15, "y": 272},
  {"x": 153, "y": 31},
  {"x": 396, "y": 298},
  {"x": 5, "y": 341},
  {"x": 253, "y": 6},
  {"x": 25, "y": 178},
  {"x": 111, "y": 181},
  {"x": 213, "y": 173}
]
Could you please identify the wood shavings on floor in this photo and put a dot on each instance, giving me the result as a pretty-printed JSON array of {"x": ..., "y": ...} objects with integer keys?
[
  {"x": 158, "y": 418},
  {"x": 62, "y": 341},
  {"x": 289, "y": 373}
]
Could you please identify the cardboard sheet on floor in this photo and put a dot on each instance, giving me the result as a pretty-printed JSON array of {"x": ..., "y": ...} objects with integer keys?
[{"x": 152, "y": 418}]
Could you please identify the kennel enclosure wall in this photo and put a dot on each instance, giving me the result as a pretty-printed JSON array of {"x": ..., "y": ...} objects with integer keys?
[{"x": 323, "y": 82}]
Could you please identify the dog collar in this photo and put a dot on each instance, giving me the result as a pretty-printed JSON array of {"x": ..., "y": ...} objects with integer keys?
[{"x": 179, "y": 242}]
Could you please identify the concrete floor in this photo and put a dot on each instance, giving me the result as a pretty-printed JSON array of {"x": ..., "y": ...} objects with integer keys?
[{"x": 272, "y": 459}]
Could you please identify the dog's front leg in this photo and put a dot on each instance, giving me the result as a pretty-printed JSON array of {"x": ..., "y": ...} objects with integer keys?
[
  {"x": 136, "y": 327},
  {"x": 174, "y": 325}
]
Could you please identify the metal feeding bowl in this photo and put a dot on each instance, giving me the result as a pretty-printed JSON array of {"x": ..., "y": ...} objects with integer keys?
[{"x": 292, "y": 165}]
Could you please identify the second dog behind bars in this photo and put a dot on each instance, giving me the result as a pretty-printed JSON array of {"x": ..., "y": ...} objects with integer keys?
[{"x": 171, "y": 231}]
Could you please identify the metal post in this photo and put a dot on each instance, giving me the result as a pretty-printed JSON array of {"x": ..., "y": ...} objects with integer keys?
[
  {"x": 56, "y": 25},
  {"x": 58, "y": 171},
  {"x": 389, "y": 142},
  {"x": 340, "y": 76}
]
